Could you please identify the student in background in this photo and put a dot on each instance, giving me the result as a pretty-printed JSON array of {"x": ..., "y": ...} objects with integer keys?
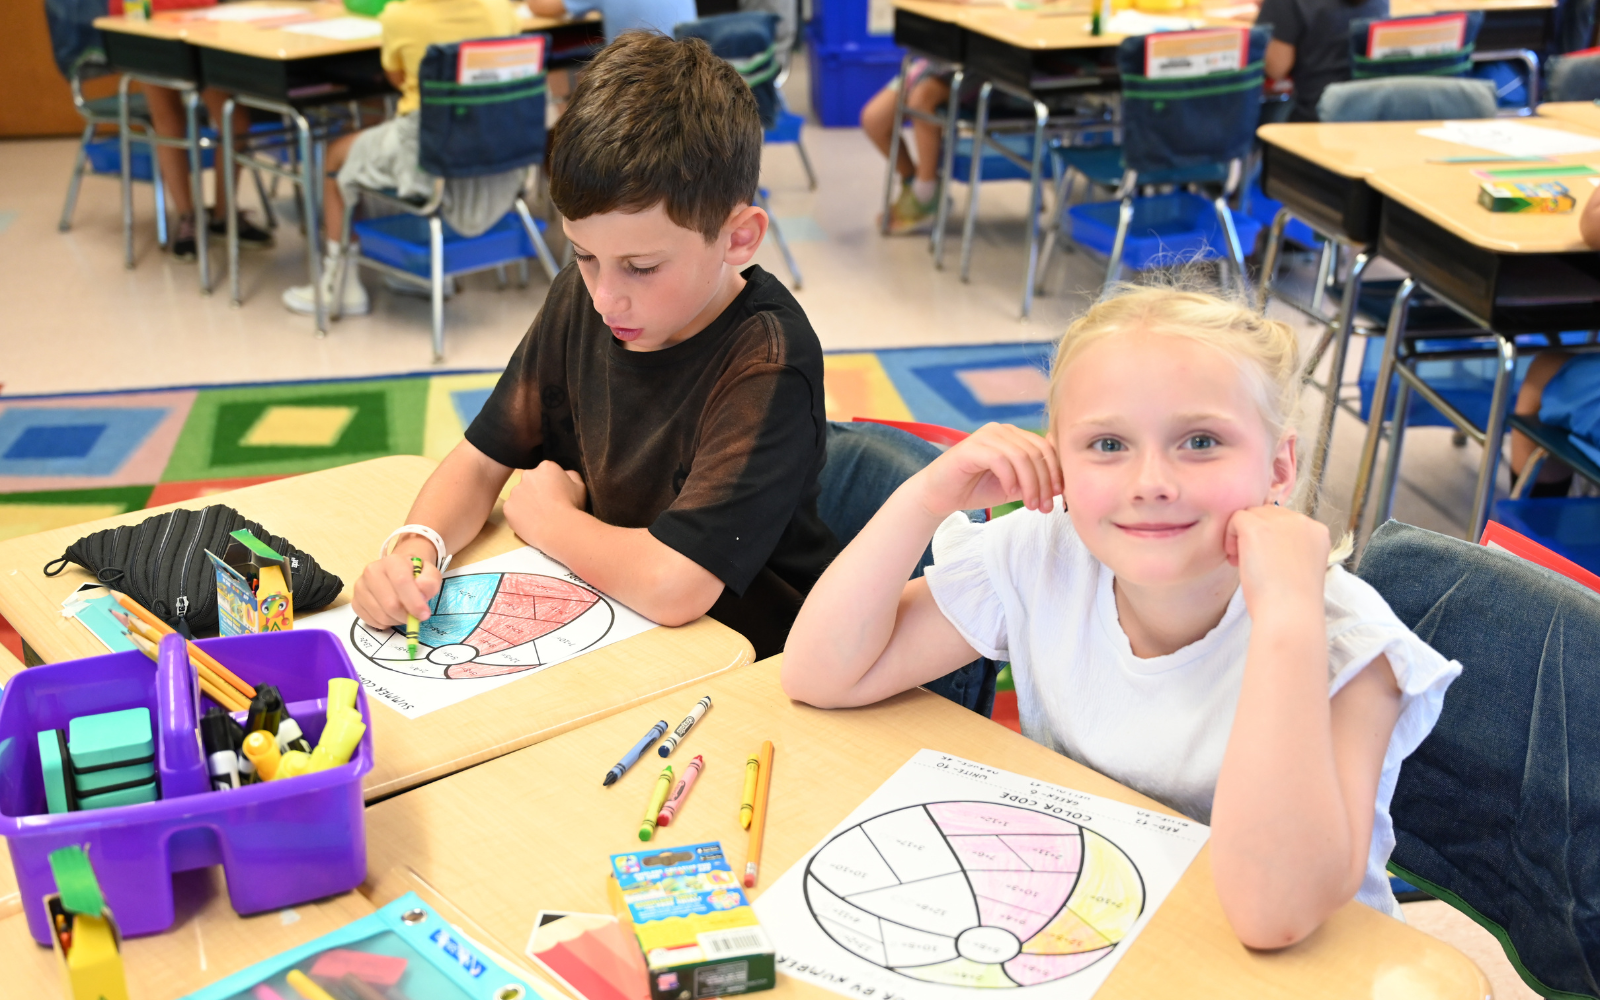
[
  {"x": 1311, "y": 45},
  {"x": 1175, "y": 623},
  {"x": 618, "y": 16},
  {"x": 667, "y": 402},
  {"x": 916, "y": 207},
  {"x": 385, "y": 156}
]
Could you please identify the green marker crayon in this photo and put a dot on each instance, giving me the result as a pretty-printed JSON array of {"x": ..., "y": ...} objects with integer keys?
[
  {"x": 411, "y": 620},
  {"x": 658, "y": 798}
]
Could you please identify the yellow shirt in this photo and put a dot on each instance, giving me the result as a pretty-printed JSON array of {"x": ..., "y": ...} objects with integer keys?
[{"x": 410, "y": 26}]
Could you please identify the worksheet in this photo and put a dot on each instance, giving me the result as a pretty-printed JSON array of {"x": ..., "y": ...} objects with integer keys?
[
  {"x": 1510, "y": 138},
  {"x": 493, "y": 622},
  {"x": 955, "y": 876}
]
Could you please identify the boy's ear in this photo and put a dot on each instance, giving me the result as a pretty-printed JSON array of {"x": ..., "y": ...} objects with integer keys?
[
  {"x": 1284, "y": 468},
  {"x": 745, "y": 229}
]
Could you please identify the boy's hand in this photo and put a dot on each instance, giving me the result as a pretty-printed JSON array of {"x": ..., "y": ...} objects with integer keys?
[
  {"x": 386, "y": 591},
  {"x": 542, "y": 490},
  {"x": 999, "y": 463},
  {"x": 1282, "y": 557}
]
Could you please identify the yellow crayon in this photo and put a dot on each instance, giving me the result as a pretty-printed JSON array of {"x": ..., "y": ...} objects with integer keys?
[
  {"x": 262, "y": 749},
  {"x": 658, "y": 798},
  {"x": 747, "y": 805}
]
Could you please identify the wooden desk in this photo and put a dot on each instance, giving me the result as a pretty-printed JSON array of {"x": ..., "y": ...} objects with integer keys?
[
  {"x": 9, "y": 665},
  {"x": 1585, "y": 114},
  {"x": 1508, "y": 25},
  {"x": 208, "y": 941},
  {"x": 533, "y": 830},
  {"x": 340, "y": 516}
]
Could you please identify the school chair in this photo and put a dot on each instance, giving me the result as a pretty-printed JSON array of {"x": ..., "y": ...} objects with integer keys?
[
  {"x": 1497, "y": 812},
  {"x": 867, "y": 462},
  {"x": 103, "y": 157},
  {"x": 1388, "y": 46},
  {"x": 747, "y": 40},
  {"x": 467, "y": 130},
  {"x": 1574, "y": 77},
  {"x": 1182, "y": 127},
  {"x": 1407, "y": 99},
  {"x": 1568, "y": 525}
]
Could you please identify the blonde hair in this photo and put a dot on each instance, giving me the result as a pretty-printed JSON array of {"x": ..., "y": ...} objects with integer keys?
[{"x": 1268, "y": 351}]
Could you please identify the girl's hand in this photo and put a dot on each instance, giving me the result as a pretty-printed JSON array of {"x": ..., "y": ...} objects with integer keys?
[
  {"x": 999, "y": 463},
  {"x": 1282, "y": 556}
]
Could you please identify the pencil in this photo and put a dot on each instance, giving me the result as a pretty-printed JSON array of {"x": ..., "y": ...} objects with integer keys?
[
  {"x": 758, "y": 824},
  {"x": 224, "y": 696},
  {"x": 227, "y": 676},
  {"x": 137, "y": 628}
]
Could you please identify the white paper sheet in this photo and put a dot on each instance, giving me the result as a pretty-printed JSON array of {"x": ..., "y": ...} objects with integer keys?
[
  {"x": 954, "y": 877},
  {"x": 244, "y": 12},
  {"x": 1513, "y": 138},
  {"x": 494, "y": 622},
  {"x": 344, "y": 29}
]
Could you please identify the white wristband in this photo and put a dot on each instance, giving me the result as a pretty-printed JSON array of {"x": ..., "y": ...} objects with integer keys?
[{"x": 425, "y": 532}]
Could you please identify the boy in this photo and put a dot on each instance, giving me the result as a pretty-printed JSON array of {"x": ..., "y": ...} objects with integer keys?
[
  {"x": 385, "y": 156},
  {"x": 667, "y": 405}
]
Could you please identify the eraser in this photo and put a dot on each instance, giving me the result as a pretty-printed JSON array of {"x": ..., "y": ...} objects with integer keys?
[
  {"x": 125, "y": 797},
  {"x": 111, "y": 738},
  {"x": 376, "y": 970},
  {"x": 55, "y": 771},
  {"x": 96, "y": 782}
]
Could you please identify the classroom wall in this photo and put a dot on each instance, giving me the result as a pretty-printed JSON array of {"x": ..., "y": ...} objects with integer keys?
[{"x": 39, "y": 102}]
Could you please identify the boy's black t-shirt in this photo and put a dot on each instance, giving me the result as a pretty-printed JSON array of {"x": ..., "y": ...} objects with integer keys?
[
  {"x": 1319, "y": 30},
  {"x": 714, "y": 444}
]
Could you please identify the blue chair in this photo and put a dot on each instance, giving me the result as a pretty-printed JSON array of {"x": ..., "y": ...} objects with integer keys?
[
  {"x": 747, "y": 40},
  {"x": 1183, "y": 129},
  {"x": 1497, "y": 812},
  {"x": 103, "y": 156},
  {"x": 467, "y": 130}
]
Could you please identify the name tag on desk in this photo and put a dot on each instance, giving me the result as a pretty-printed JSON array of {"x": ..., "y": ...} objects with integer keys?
[
  {"x": 500, "y": 60},
  {"x": 1174, "y": 55},
  {"x": 1415, "y": 37}
]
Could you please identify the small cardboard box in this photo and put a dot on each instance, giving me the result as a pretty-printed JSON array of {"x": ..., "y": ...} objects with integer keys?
[
  {"x": 1548, "y": 198},
  {"x": 89, "y": 952},
  {"x": 255, "y": 590},
  {"x": 686, "y": 909}
]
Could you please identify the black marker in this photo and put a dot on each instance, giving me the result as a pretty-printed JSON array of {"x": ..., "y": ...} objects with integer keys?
[{"x": 216, "y": 735}]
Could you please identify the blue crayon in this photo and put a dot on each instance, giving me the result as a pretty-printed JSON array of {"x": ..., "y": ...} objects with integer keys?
[{"x": 631, "y": 756}]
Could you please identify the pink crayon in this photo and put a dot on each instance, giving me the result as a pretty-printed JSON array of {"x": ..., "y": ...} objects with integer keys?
[{"x": 674, "y": 802}]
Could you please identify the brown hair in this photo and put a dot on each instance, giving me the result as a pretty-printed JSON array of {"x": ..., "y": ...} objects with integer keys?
[{"x": 657, "y": 121}]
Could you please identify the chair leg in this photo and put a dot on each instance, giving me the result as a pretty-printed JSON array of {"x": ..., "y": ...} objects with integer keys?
[
  {"x": 225, "y": 174},
  {"x": 1326, "y": 267},
  {"x": 343, "y": 264},
  {"x": 1330, "y": 400},
  {"x": 948, "y": 153},
  {"x": 1493, "y": 435},
  {"x": 1114, "y": 262},
  {"x": 1391, "y": 459},
  {"x": 1269, "y": 259},
  {"x": 897, "y": 124},
  {"x": 125, "y": 147},
  {"x": 1041, "y": 116},
  {"x": 158, "y": 190},
  {"x": 1065, "y": 182},
  {"x": 500, "y": 278},
  {"x": 805, "y": 161},
  {"x": 783, "y": 244},
  {"x": 77, "y": 177},
  {"x": 522, "y": 272},
  {"x": 1380, "y": 404},
  {"x": 537, "y": 238},
  {"x": 197, "y": 189},
  {"x": 1230, "y": 233},
  {"x": 436, "y": 259},
  {"x": 266, "y": 202},
  {"x": 980, "y": 134}
]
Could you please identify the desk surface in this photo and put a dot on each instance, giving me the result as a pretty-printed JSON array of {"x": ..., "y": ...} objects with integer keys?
[
  {"x": 1447, "y": 195},
  {"x": 268, "y": 39},
  {"x": 341, "y": 516},
  {"x": 1584, "y": 113},
  {"x": 1410, "y": 8},
  {"x": 1362, "y": 149},
  {"x": 209, "y": 941},
  {"x": 532, "y": 830},
  {"x": 1064, "y": 26}
]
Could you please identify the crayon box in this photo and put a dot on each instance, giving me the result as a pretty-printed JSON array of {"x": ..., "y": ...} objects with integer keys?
[
  {"x": 255, "y": 590},
  {"x": 686, "y": 909},
  {"x": 1550, "y": 197}
]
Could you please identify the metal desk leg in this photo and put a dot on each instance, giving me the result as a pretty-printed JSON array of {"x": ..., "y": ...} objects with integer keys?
[
  {"x": 436, "y": 259},
  {"x": 975, "y": 177},
  {"x": 898, "y": 122},
  {"x": 1269, "y": 259},
  {"x": 1493, "y": 435},
  {"x": 951, "y": 121},
  {"x": 125, "y": 146},
  {"x": 1380, "y": 403},
  {"x": 1391, "y": 458},
  {"x": 310, "y": 188},
  {"x": 226, "y": 170},
  {"x": 1041, "y": 117},
  {"x": 1341, "y": 346},
  {"x": 197, "y": 188}
]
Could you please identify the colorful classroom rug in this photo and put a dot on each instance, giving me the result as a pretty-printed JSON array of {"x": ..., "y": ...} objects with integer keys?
[{"x": 73, "y": 458}]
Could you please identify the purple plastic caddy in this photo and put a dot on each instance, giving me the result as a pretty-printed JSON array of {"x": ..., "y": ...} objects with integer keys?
[{"x": 279, "y": 843}]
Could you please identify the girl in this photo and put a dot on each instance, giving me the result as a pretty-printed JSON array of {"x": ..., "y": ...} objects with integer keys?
[{"x": 1173, "y": 626}]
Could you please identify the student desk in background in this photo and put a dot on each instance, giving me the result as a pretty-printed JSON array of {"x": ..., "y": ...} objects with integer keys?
[
  {"x": 1585, "y": 114},
  {"x": 534, "y": 830},
  {"x": 1519, "y": 30},
  {"x": 206, "y": 943},
  {"x": 340, "y": 516}
]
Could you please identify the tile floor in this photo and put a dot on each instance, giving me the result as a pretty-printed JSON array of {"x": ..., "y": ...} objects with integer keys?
[{"x": 74, "y": 319}]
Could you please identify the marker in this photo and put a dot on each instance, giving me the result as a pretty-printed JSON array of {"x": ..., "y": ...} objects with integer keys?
[
  {"x": 675, "y": 801},
  {"x": 216, "y": 735},
  {"x": 747, "y": 804},
  {"x": 411, "y": 620},
  {"x": 302, "y": 984},
  {"x": 266, "y": 711},
  {"x": 262, "y": 749},
  {"x": 632, "y": 756},
  {"x": 291, "y": 738},
  {"x": 695, "y": 715},
  {"x": 292, "y": 765},
  {"x": 758, "y": 826},
  {"x": 339, "y": 740},
  {"x": 342, "y": 696},
  {"x": 658, "y": 798}
]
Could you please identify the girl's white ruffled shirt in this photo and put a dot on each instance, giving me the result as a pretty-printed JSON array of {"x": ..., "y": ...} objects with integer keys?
[{"x": 1024, "y": 588}]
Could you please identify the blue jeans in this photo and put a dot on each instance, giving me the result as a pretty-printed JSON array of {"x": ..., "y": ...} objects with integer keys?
[{"x": 866, "y": 463}]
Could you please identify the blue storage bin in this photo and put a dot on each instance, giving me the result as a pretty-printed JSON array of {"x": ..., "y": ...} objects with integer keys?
[
  {"x": 402, "y": 241},
  {"x": 844, "y": 78},
  {"x": 1569, "y": 526},
  {"x": 1467, "y": 384},
  {"x": 1166, "y": 229},
  {"x": 995, "y": 166},
  {"x": 838, "y": 23},
  {"x": 105, "y": 157}
]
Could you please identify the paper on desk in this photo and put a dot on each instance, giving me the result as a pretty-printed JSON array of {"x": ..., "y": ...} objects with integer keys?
[
  {"x": 494, "y": 622},
  {"x": 955, "y": 875},
  {"x": 1513, "y": 138},
  {"x": 246, "y": 12},
  {"x": 344, "y": 29},
  {"x": 1132, "y": 22}
]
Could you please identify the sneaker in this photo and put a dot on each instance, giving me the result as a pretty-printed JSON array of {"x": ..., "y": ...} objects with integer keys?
[
  {"x": 299, "y": 299},
  {"x": 251, "y": 236},
  {"x": 182, "y": 246},
  {"x": 909, "y": 217}
]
